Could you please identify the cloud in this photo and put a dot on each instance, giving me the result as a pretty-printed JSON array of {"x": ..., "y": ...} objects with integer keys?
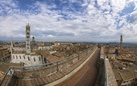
[
  {"x": 69, "y": 20},
  {"x": 50, "y": 36},
  {"x": 133, "y": 17}
]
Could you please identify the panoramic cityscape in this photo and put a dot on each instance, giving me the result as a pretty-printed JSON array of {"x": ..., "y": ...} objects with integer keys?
[{"x": 68, "y": 43}]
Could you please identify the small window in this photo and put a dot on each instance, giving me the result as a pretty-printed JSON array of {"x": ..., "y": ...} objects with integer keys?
[
  {"x": 16, "y": 57},
  {"x": 20, "y": 57},
  {"x": 13, "y": 57}
]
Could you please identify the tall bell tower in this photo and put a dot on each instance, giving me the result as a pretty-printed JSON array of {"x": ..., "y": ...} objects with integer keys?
[
  {"x": 121, "y": 43},
  {"x": 28, "y": 50}
]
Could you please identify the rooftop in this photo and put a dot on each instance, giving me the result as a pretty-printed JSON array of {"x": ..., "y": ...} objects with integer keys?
[{"x": 127, "y": 74}]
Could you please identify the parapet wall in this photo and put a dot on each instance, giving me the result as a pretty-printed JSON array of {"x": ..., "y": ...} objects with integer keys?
[
  {"x": 109, "y": 74},
  {"x": 108, "y": 77}
]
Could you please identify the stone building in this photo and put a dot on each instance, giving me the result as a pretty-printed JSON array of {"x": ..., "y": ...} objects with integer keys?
[
  {"x": 34, "y": 45},
  {"x": 28, "y": 57},
  {"x": 123, "y": 63},
  {"x": 4, "y": 54}
]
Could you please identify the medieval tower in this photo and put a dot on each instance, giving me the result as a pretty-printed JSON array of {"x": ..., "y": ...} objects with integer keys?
[
  {"x": 28, "y": 49},
  {"x": 121, "y": 43}
]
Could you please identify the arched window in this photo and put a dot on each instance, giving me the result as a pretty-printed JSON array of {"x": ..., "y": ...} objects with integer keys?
[
  {"x": 39, "y": 59},
  {"x": 20, "y": 57},
  {"x": 28, "y": 58},
  {"x": 24, "y": 57},
  {"x": 16, "y": 57},
  {"x": 34, "y": 59}
]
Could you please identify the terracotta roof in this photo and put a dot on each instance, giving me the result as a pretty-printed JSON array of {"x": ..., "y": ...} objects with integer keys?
[
  {"x": 60, "y": 55},
  {"x": 117, "y": 74},
  {"x": 1, "y": 75},
  {"x": 4, "y": 66},
  {"x": 52, "y": 58},
  {"x": 3, "y": 48},
  {"x": 127, "y": 74}
]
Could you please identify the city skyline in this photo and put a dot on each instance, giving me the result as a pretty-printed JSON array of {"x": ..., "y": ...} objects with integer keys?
[{"x": 69, "y": 20}]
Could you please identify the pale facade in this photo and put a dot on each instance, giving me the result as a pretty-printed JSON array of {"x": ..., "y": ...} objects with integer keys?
[{"x": 28, "y": 60}]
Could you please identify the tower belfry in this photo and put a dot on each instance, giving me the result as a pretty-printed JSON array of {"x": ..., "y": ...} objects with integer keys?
[
  {"x": 121, "y": 43},
  {"x": 28, "y": 51}
]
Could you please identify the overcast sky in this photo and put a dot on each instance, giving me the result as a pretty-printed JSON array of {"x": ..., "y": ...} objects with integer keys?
[{"x": 69, "y": 20}]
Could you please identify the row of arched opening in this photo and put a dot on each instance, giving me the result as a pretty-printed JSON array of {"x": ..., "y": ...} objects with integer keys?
[{"x": 24, "y": 57}]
